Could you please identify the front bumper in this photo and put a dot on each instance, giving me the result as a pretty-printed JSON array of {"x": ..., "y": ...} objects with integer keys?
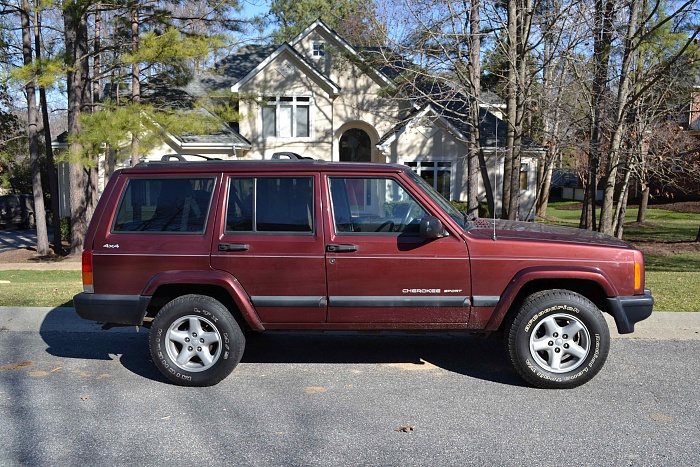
[
  {"x": 116, "y": 309},
  {"x": 630, "y": 310}
]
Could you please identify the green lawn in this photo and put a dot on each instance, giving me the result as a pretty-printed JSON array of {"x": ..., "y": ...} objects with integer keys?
[
  {"x": 675, "y": 291},
  {"x": 39, "y": 288},
  {"x": 660, "y": 225}
]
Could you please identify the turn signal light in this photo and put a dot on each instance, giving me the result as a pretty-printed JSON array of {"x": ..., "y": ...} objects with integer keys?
[
  {"x": 87, "y": 272},
  {"x": 637, "y": 276}
]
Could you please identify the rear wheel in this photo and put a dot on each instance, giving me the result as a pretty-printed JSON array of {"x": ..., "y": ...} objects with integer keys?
[
  {"x": 558, "y": 340},
  {"x": 194, "y": 341}
]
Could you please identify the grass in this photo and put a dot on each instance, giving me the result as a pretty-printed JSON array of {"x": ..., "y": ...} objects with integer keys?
[
  {"x": 39, "y": 288},
  {"x": 661, "y": 225},
  {"x": 675, "y": 291}
]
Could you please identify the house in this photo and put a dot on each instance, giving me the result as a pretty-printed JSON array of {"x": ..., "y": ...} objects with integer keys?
[{"x": 319, "y": 97}]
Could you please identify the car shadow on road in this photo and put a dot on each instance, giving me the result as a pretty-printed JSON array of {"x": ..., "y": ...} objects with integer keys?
[
  {"x": 68, "y": 336},
  {"x": 462, "y": 353}
]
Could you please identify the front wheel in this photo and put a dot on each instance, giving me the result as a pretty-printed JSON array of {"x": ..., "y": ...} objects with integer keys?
[
  {"x": 194, "y": 341},
  {"x": 558, "y": 340}
]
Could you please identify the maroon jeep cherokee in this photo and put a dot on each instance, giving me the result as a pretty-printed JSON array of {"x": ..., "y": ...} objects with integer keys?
[{"x": 203, "y": 251}]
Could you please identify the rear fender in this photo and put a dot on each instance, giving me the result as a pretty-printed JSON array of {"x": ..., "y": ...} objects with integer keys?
[{"x": 210, "y": 278}]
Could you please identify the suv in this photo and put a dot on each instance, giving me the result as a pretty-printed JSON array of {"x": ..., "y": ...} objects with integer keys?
[
  {"x": 205, "y": 252},
  {"x": 18, "y": 210}
]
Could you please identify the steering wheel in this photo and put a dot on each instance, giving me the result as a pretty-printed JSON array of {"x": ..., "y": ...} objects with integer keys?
[
  {"x": 406, "y": 219},
  {"x": 384, "y": 224}
]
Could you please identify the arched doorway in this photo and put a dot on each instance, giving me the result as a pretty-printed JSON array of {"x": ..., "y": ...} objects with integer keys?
[{"x": 355, "y": 146}]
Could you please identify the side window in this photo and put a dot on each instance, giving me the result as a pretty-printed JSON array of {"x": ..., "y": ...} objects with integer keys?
[
  {"x": 369, "y": 205},
  {"x": 164, "y": 205},
  {"x": 270, "y": 204}
]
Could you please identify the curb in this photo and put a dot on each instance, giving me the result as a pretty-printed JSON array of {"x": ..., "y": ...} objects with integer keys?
[{"x": 659, "y": 326}]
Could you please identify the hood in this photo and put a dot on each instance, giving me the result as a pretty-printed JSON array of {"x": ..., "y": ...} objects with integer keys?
[{"x": 518, "y": 230}]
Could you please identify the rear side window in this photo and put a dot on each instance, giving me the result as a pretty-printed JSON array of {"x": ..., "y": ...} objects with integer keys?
[
  {"x": 270, "y": 204},
  {"x": 165, "y": 205}
]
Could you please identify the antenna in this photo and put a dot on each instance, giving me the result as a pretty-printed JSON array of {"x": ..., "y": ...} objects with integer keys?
[{"x": 495, "y": 181}]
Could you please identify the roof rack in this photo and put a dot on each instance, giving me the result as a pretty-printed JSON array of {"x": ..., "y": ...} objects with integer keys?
[
  {"x": 286, "y": 155},
  {"x": 183, "y": 157}
]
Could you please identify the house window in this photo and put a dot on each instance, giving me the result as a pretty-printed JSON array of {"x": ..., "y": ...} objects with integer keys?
[
  {"x": 319, "y": 50},
  {"x": 436, "y": 173},
  {"x": 524, "y": 172},
  {"x": 286, "y": 117}
]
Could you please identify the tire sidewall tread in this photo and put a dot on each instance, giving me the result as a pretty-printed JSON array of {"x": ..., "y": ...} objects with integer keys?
[
  {"x": 211, "y": 309},
  {"x": 533, "y": 310}
]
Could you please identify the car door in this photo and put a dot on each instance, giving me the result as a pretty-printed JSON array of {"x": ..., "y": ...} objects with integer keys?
[
  {"x": 271, "y": 240},
  {"x": 380, "y": 270}
]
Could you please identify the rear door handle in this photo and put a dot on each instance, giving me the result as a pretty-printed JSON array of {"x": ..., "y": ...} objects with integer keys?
[
  {"x": 234, "y": 247},
  {"x": 341, "y": 248}
]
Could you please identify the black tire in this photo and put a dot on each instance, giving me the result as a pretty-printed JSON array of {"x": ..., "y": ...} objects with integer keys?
[
  {"x": 196, "y": 319},
  {"x": 558, "y": 340},
  {"x": 30, "y": 224}
]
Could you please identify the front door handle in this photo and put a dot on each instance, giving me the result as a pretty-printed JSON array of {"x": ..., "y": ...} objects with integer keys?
[
  {"x": 340, "y": 248},
  {"x": 234, "y": 247}
]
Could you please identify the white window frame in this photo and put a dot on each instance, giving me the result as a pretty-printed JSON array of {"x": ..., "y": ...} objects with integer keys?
[
  {"x": 419, "y": 169},
  {"x": 318, "y": 50},
  {"x": 282, "y": 101}
]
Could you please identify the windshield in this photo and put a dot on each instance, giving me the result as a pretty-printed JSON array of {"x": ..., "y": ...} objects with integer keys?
[{"x": 446, "y": 206}]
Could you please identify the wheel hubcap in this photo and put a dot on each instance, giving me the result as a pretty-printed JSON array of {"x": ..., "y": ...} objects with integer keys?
[
  {"x": 560, "y": 343},
  {"x": 193, "y": 343}
]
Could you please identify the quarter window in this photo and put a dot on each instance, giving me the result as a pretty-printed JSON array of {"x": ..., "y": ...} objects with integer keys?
[
  {"x": 164, "y": 205},
  {"x": 270, "y": 204},
  {"x": 286, "y": 117}
]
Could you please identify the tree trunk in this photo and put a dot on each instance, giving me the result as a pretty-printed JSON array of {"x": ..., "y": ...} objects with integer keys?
[
  {"x": 511, "y": 111},
  {"x": 42, "y": 246},
  {"x": 643, "y": 204},
  {"x": 76, "y": 40},
  {"x": 623, "y": 93},
  {"x": 474, "y": 150},
  {"x": 51, "y": 163},
  {"x": 135, "y": 79},
  {"x": 602, "y": 46}
]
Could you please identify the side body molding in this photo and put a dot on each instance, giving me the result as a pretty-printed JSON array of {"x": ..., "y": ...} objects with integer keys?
[
  {"x": 526, "y": 275},
  {"x": 209, "y": 278}
]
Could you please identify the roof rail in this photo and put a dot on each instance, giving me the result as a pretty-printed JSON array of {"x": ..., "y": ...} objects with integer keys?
[
  {"x": 182, "y": 158},
  {"x": 286, "y": 155}
]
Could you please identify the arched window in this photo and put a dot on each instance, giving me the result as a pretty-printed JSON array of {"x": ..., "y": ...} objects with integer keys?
[{"x": 355, "y": 146}]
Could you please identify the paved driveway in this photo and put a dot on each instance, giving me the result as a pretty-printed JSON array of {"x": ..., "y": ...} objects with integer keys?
[{"x": 12, "y": 239}]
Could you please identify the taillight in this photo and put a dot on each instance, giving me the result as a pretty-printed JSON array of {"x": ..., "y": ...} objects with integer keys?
[
  {"x": 637, "y": 276},
  {"x": 88, "y": 286}
]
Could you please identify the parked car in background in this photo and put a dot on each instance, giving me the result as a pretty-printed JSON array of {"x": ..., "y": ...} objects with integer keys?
[{"x": 17, "y": 210}]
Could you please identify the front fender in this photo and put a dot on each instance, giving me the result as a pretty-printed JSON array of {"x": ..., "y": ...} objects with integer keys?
[
  {"x": 209, "y": 278},
  {"x": 549, "y": 273}
]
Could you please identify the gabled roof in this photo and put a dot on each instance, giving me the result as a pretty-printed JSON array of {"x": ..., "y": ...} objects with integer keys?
[
  {"x": 453, "y": 117},
  {"x": 343, "y": 45},
  {"x": 308, "y": 68}
]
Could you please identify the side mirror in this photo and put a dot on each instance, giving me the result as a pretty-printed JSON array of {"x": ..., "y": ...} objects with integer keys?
[{"x": 431, "y": 227}]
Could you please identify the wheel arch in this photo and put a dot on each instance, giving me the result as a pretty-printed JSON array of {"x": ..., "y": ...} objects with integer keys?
[
  {"x": 590, "y": 283},
  {"x": 167, "y": 286}
]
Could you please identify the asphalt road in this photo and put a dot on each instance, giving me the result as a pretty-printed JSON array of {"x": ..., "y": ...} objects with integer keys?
[
  {"x": 72, "y": 393},
  {"x": 12, "y": 239}
]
